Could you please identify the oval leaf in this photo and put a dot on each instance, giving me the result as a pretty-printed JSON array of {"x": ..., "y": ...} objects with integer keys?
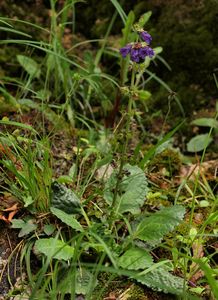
[
  {"x": 144, "y": 18},
  {"x": 54, "y": 248},
  {"x": 199, "y": 143},
  {"x": 29, "y": 65},
  {"x": 67, "y": 219},
  {"x": 205, "y": 122},
  {"x": 135, "y": 259}
]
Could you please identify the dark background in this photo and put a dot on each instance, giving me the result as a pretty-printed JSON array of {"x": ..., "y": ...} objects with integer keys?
[{"x": 187, "y": 31}]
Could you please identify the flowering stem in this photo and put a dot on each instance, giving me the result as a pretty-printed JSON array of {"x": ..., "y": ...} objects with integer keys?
[
  {"x": 130, "y": 103},
  {"x": 115, "y": 208}
]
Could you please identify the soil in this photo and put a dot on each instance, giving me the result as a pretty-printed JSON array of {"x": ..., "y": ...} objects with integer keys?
[{"x": 9, "y": 266}]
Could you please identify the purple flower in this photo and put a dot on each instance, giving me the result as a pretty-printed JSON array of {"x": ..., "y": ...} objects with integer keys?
[
  {"x": 137, "y": 51},
  {"x": 146, "y": 37},
  {"x": 150, "y": 52},
  {"x": 143, "y": 52},
  {"x": 146, "y": 51},
  {"x": 134, "y": 55},
  {"x": 125, "y": 50}
]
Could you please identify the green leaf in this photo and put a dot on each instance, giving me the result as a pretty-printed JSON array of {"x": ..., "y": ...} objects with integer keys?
[
  {"x": 17, "y": 223},
  {"x": 7, "y": 102},
  {"x": 26, "y": 227},
  {"x": 127, "y": 30},
  {"x": 49, "y": 229},
  {"x": 132, "y": 190},
  {"x": 73, "y": 171},
  {"x": 17, "y": 124},
  {"x": 153, "y": 228},
  {"x": 199, "y": 142},
  {"x": 204, "y": 203},
  {"x": 71, "y": 115},
  {"x": 29, "y": 65},
  {"x": 157, "y": 50},
  {"x": 153, "y": 149},
  {"x": 64, "y": 199},
  {"x": 43, "y": 94},
  {"x": 206, "y": 122},
  {"x": 14, "y": 31},
  {"x": 127, "y": 37},
  {"x": 67, "y": 219},
  {"x": 211, "y": 275},
  {"x": 104, "y": 161},
  {"x": 29, "y": 103},
  {"x": 28, "y": 200},
  {"x": 161, "y": 280},
  {"x": 64, "y": 179},
  {"x": 54, "y": 248},
  {"x": 82, "y": 284},
  {"x": 83, "y": 279},
  {"x": 120, "y": 10},
  {"x": 135, "y": 259},
  {"x": 144, "y": 18}
]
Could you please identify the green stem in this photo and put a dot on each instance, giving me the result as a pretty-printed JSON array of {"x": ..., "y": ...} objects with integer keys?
[
  {"x": 86, "y": 217},
  {"x": 124, "y": 151},
  {"x": 198, "y": 174}
]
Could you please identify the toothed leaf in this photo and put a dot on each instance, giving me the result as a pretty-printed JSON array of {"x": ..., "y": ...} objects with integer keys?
[
  {"x": 135, "y": 259},
  {"x": 153, "y": 228},
  {"x": 64, "y": 199},
  {"x": 131, "y": 191},
  {"x": 163, "y": 281}
]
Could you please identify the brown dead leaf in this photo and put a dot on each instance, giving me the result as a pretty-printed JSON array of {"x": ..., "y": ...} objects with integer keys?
[
  {"x": 112, "y": 296},
  {"x": 159, "y": 180},
  {"x": 198, "y": 218},
  {"x": 9, "y": 206},
  {"x": 209, "y": 169},
  {"x": 5, "y": 151}
]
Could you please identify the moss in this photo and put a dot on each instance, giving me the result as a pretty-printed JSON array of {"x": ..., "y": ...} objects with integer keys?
[
  {"x": 136, "y": 293},
  {"x": 107, "y": 285},
  {"x": 119, "y": 286},
  {"x": 169, "y": 160},
  {"x": 183, "y": 229}
]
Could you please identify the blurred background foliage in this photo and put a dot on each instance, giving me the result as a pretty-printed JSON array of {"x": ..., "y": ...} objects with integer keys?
[{"x": 187, "y": 31}]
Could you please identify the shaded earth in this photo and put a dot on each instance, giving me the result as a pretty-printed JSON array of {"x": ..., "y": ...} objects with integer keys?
[{"x": 9, "y": 260}]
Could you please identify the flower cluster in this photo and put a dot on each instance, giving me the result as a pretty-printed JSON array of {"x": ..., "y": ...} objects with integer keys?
[{"x": 138, "y": 51}]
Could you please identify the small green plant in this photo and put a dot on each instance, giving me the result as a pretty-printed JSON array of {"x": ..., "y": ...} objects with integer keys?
[
  {"x": 28, "y": 168},
  {"x": 129, "y": 253},
  {"x": 118, "y": 234},
  {"x": 58, "y": 82},
  {"x": 201, "y": 141}
]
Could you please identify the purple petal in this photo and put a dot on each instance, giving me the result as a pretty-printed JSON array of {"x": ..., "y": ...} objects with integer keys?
[
  {"x": 146, "y": 37},
  {"x": 134, "y": 55},
  {"x": 150, "y": 52},
  {"x": 143, "y": 52},
  {"x": 125, "y": 50},
  {"x": 146, "y": 51}
]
